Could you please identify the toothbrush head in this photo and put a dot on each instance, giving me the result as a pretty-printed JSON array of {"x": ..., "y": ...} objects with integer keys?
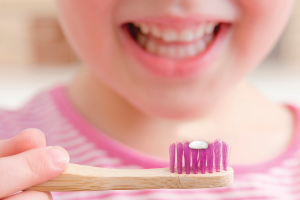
[{"x": 199, "y": 156}]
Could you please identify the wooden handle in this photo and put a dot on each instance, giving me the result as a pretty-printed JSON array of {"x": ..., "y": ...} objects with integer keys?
[{"x": 85, "y": 178}]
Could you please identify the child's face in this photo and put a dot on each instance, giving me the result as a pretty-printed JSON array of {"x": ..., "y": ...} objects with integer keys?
[{"x": 196, "y": 51}]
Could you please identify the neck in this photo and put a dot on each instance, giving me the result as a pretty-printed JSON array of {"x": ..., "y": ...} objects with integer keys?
[{"x": 114, "y": 116}]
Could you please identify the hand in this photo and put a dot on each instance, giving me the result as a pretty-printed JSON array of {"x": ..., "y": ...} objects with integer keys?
[{"x": 26, "y": 161}]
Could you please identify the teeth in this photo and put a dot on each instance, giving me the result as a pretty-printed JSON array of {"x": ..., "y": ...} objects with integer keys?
[
  {"x": 210, "y": 28},
  {"x": 151, "y": 46},
  {"x": 208, "y": 38},
  {"x": 171, "y": 52},
  {"x": 156, "y": 32},
  {"x": 192, "y": 50},
  {"x": 181, "y": 52},
  {"x": 141, "y": 39},
  {"x": 173, "y": 35},
  {"x": 162, "y": 50},
  {"x": 186, "y": 36},
  {"x": 201, "y": 45},
  {"x": 175, "y": 51},
  {"x": 169, "y": 35},
  {"x": 200, "y": 32},
  {"x": 145, "y": 28},
  {"x": 196, "y": 40}
]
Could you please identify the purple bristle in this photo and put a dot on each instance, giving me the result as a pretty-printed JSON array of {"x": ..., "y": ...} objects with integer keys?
[
  {"x": 172, "y": 157},
  {"x": 179, "y": 157},
  {"x": 195, "y": 160},
  {"x": 202, "y": 160},
  {"x": 187, "y": 157},
  {"x": 210, "y": 158},
  {"x": 225, "y": 154},
  {"x": 217, "y": 154}
]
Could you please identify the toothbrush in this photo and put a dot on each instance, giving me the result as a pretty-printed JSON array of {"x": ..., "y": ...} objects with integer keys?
[{"x": 86, "y": 178}]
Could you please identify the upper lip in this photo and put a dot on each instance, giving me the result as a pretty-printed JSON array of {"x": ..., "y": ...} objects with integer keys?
[{"x": 178, "y": 22}]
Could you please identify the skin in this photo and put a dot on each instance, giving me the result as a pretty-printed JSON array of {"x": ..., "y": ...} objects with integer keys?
[
  {"x": 139, "y": 109},
  {"x": 25, "y": 161}
]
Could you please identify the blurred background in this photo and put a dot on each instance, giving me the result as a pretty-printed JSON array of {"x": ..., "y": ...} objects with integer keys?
[{"x": 34, "y": 55}]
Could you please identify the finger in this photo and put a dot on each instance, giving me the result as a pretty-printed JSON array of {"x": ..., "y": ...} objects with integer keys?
[
  {"x": 31, "y": 195},
  {"x": 29, "y": 168},
  {"x": 27, "y": 139}
]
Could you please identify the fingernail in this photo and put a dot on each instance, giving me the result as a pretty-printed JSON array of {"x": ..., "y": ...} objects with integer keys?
[
  {"x": 36, "y": 130},
  {"x": 59, "y": 156}
]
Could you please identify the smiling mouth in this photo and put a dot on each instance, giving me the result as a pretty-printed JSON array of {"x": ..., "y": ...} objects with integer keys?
[{"x": 174, "y": 43}]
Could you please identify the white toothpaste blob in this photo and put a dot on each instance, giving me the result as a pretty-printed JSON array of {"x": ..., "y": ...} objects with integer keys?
[{"x": 198, "y": 145}]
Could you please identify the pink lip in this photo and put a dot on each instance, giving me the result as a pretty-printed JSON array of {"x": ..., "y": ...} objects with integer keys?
[
  {"x": 179, "y": 22},
  {"x": 171, "y": 68}
]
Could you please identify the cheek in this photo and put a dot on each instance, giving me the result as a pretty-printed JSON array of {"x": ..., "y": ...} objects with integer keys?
[
  {"x": 90, "y": 29},
  {"x": 260, "y": 25}
]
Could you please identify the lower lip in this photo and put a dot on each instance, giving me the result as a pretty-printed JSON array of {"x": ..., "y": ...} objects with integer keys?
[{"x": 172, "y": 68}]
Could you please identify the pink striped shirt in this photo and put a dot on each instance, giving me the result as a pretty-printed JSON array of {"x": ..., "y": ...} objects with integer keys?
[{"x": 52, "y": 113}]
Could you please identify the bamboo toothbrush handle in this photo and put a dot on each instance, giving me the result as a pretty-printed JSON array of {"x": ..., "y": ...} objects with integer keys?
[{"x": 85, "y": 178}]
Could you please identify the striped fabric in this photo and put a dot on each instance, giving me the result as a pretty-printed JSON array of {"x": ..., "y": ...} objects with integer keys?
[{"x": 52, "y": 113}]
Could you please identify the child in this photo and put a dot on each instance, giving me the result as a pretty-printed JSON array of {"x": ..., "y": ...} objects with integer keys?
[{"x": 158, "y": 72}]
